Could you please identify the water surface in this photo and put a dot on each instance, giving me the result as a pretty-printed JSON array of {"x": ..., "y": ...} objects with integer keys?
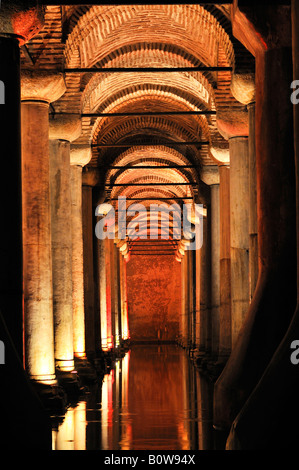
[{"x": 153, "y": 399}]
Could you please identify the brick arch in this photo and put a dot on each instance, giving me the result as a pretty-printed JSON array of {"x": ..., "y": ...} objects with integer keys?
[
  {"x": 191, "y": 25},
  {"x": 157, "y": 100},
  {"x": 151, "y": 54},
  {"x": 144, "y": 156},
  {"x": 113, "y": 89},
  {"x": 101, "y": 88},
  {"x": 124, "y": 129}
]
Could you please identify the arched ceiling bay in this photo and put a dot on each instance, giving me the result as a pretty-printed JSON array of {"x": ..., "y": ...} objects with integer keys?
[{"x": 143, "y": 36}]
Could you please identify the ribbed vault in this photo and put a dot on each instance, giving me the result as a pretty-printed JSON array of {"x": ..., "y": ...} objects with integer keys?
[{"x": 144, "y": 36}]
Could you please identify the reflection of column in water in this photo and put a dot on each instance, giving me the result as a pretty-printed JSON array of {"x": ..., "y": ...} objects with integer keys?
[
  {"x": 205, "y": 413},
  {"x": 80, "y": 426},
  {"x": 126, "y": 428},
  {"x": 107, "y": 410},
  {"x": 190, "y": 403},
  {"x": 71, "y": 434},
  {"x": 184, "y": 424},
  {"x": 65, "y": 434},
  {"x": 116, "y": 405}
]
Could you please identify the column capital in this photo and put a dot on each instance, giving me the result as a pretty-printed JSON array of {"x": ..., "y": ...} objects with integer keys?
[
  {"x": 233, "y": 123},
  {"x": 42, "y": 85},
  {"x": 65, "y": 128},
  {"x": 210, "y": 174},
  {"x": 220, "y": 154},
  {"x": 21, "y": 19},
  {"x": 80, "y": 155},
  {"x": 90, "y": 177},
  {"x": 243, "y": 87}
]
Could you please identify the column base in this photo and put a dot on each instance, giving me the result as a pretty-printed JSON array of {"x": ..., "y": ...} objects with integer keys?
[
  {"x": 70, "y": 382},
  {"x": 53, "y": 397},
  {"x": 64, "y": 365},
  {"x": 48, "y": 379},
  {"x": 86, "y": 371}
]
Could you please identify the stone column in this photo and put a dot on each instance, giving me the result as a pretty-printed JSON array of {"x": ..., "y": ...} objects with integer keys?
[
  {"x": 13, "y": 34},
  {"x": 191, "y": 288},
  {"x": 279, "y": 386},
  {"x": 210, "y": 176},
  {"x": 185, "y": 301},
  {"x": 243, "y": 89},
  {"x": 124, "y": 300},
  {"x": 102, "y": 294},
  {"x": 239, "y": 232},
  {"x": 22, "y": 414},
  {"x": 37, "y": 92},
  {"x": 274, "y": 301},
  {"x": 88, "y": 254},
  {"x": 110, "y": 305},
  {"x": 253, "y": 230},
  {"x": 63, "y": 131},
  {"x": 205, "y": 290},
  {"x": 80, "y": 156},
  {"x": 221, "y": 156},
  {"x": 118, "y": 329}
]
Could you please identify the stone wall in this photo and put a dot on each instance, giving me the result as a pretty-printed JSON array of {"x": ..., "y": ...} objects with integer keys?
[{"x": 154, "y": 297}]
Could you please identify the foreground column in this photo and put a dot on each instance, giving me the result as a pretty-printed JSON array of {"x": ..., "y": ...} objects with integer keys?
[
  {"x": 80, "y": 156},
  {"x": 13, "y": 34},
  {"x": 38, "y": 90},
  {"x": 62, "y": 132},
  {"x": 26, "y": 424},
  {"x": 277, "y": 390},
  {"x": 11, "y": 267},
  {"x": 274, "y": 301}
]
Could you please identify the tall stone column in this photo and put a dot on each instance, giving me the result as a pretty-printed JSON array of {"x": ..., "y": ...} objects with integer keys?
[
  {"x": 80, "y": 156},
  {"x": 37, "y": 92},
  {"x": 22, "y": 415},
  {"x": 88, "y": 254},
  {"x": 185, "y": 301},
  {"x": 118, "y": 325},
  {"x": 210, "y": 176},
  {"x": 225, "y": 339},
  {"x": 13, "y": 34},
  {"x": 278, "y": 388},
  {"x": 90, "y": 181},
  {"x": 102, "y": 293},
  {"x": 205, "y": 289},
  {"x": 253, "y": 229},
  {"x": 124, "y": 300},
  {"x": 243, "y": 89},
  {"x": 221, "y": 156},
  {"x": 274, "y": 300},
  {"x": 239, "y": 232},
  {"x": 62, "y": 132}
]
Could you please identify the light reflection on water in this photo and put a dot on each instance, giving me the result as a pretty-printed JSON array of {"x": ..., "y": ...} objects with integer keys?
[{"x": 153, "y": 399}]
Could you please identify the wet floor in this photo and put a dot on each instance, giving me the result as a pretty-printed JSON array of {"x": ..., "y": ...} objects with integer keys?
[{"x": 153, "y": 399}]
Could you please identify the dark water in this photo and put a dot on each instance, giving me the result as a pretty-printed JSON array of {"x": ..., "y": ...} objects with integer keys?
[{"x": 153, "y": 399}]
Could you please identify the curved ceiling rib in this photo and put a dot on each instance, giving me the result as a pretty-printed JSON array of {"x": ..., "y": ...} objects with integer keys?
[{"x": 145, "y": 36}]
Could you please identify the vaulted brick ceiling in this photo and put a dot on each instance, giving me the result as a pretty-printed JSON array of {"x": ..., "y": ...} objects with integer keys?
[{"x": 143, "y": 36}]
